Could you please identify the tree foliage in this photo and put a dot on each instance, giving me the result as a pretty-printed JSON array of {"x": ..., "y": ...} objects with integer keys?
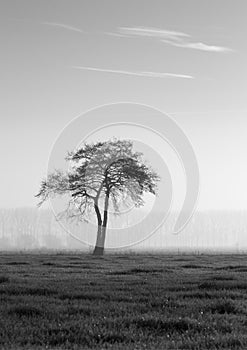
[{"x": 110, "y": 172}]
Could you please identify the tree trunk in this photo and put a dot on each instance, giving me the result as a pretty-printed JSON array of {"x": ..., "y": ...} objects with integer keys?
[{"x": 100, "y": 242}]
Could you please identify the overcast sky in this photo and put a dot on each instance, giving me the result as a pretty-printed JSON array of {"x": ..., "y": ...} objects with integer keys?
[{"x": 187, "y": 58}]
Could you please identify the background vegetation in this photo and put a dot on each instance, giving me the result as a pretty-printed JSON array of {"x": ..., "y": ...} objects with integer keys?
[{"x": 27, "y": 228}]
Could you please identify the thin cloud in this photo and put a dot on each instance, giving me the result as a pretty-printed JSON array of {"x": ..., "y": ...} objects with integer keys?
[
  {"x": 78, "y": 30},
  {"x": 63, "y": 26},
  {"x": 136, "y": 73},
  {"x": 173, "y": 38},
  {"x": 153, "y": 32},
  {"x": 199, "y": 46}
]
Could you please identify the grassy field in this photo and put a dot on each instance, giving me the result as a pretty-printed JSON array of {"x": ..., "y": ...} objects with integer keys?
[{"x": 73, "y": 301}]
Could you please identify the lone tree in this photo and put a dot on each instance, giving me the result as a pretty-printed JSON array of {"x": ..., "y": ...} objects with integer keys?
[{"x": 103, "y": 172}]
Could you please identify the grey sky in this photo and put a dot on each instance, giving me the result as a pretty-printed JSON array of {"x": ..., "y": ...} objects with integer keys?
[{"x": 139, "y": 51}]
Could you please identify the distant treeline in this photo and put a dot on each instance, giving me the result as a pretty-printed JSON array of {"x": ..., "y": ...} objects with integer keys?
[{"x": 31, "y": 228}]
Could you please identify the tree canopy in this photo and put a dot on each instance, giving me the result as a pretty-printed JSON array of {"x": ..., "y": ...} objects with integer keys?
[{"x": 107, "y": 172}]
